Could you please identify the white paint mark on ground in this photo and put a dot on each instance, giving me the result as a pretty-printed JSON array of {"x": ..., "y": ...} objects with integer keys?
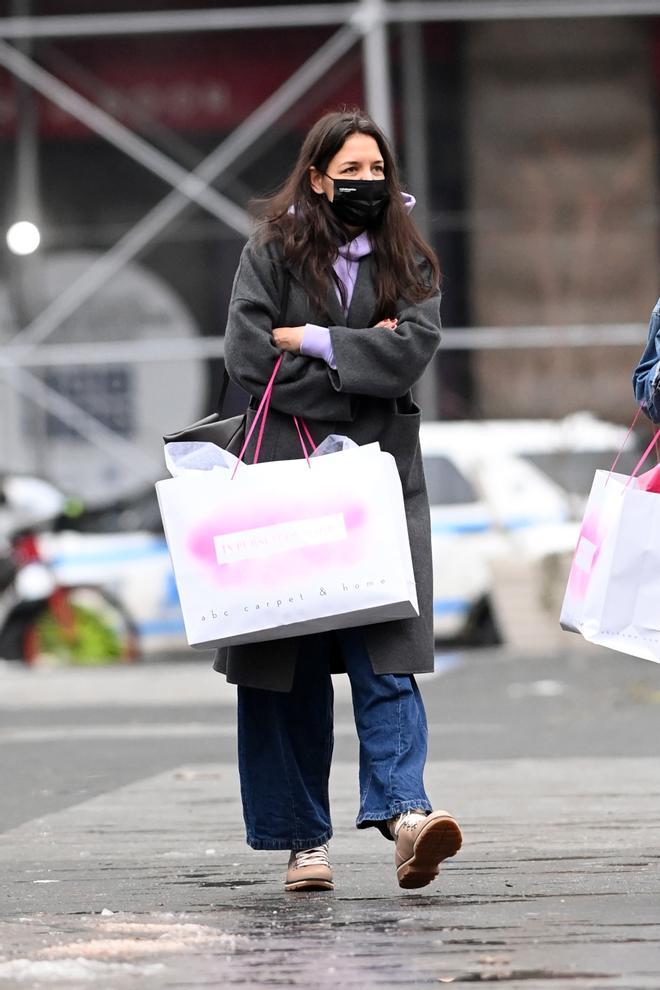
[{"x": 38, "y": 971}]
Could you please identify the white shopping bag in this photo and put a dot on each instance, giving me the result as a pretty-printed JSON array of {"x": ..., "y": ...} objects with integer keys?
[
  {"x": 613, "y": 592},
  {"x": 286, "y": 547}
]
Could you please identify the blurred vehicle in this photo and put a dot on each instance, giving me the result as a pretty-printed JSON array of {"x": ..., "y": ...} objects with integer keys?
[
  {"x": 43, "y": 619},
  {"x": 490, "y": 500},
  {"x": 567, "y": 450},
  {"x": 133, "y": 567},
  {"x": 121, "y": 547}
]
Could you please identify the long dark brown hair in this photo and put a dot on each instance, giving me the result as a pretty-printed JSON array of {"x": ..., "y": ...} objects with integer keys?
[{"x": 310, "y": 235}]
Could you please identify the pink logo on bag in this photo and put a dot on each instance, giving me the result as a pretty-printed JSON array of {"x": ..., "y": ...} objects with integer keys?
[
  {"x": 586, "y": 554},
  {"x": 251, "y": 542}
]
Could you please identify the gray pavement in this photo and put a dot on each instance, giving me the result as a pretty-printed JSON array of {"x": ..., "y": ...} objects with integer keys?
[{"x": 123, "y": 861}]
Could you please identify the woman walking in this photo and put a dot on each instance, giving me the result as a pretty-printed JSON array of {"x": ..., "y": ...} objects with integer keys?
[{"x": 338, "y": 278}]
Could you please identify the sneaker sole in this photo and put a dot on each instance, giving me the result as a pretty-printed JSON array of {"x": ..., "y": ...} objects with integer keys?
[
  {"x": 310, "y": 885},
  {"x": 437, "y": 841}
]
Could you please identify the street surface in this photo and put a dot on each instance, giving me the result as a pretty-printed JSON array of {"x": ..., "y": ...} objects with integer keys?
[{"x": 123, "y": 862}]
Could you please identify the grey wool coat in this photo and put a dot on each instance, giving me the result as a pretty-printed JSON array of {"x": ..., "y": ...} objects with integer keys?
[{"x": 366, "y": 398}]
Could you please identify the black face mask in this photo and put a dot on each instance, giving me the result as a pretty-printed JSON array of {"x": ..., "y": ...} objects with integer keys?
[{"x": 359, "y": 202}]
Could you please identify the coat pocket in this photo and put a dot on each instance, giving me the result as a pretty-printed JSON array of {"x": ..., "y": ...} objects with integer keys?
[{"x": 404, "y": 444}]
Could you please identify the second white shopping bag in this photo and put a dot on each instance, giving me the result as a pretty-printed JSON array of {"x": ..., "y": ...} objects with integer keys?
[{"x": 613, "y": 593}]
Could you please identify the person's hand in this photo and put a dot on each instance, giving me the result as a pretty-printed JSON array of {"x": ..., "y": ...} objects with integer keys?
[
  {"x": 389, "y": 324},
  {"x": 289, "y": 338}
]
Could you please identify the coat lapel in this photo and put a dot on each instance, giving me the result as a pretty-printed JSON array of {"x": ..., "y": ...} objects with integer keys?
[
  {"x": 335, "y": 312},
  {"x": 363, "y": 304}
]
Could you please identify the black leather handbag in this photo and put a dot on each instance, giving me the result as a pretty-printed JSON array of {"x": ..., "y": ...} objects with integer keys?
[{"x": 226, "y": 433}]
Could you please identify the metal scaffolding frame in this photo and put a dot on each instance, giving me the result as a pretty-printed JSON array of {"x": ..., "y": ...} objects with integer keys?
[
  {"x": 463, "y": 339},
  {"x": 293, "y": 15},
  {"x": 13, "y": 358},
  {"x": 365, "y": 21}
]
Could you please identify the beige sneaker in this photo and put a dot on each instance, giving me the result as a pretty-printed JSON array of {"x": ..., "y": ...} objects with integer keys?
[
  {"x": 309, "y": 869},
  {"x": 421, "y": 843}
]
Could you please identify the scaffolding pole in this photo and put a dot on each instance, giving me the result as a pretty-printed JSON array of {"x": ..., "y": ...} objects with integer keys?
[
  {"x": 312, "y": 15},
  {"x": 376, "y": 61},
  {"x": 417, "y": 171},
  {"x": 203, "y": 348},
  {"x": 25, "y": 275},
  {"x": 415, "y": 141}
]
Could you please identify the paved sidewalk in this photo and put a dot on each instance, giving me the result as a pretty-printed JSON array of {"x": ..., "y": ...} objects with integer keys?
[
  {"x": 151, "y": 885},
  {"x": 135, "y": 874}
]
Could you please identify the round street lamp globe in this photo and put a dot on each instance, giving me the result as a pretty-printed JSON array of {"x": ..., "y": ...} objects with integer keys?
[{"x": 23, "y": 237}]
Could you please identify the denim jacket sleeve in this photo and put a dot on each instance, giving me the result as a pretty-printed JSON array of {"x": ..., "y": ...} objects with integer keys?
[{"x": 646, "y": 376}]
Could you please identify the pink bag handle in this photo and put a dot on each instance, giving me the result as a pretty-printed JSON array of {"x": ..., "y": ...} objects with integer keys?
[
  {"x": 627, "y": 438},
  {"x": 264, "y": 403},
  {"x": 646, "y": 453},
  {"x": 308, "y": 435},
  {"x": 264, "y": 417},
  {"x": 261, "y": 417}
]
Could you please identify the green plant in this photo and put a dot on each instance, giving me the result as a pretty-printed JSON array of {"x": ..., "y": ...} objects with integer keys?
[{"x": 87, "y": 641}]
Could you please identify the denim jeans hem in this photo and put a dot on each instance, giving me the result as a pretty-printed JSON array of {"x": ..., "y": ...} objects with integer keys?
[
  {"x": 379, "y": 819},
  {"x": 289, "y": 844}
]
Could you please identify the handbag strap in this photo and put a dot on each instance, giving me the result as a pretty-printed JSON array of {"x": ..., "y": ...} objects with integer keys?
[{"x": 284, "y": 302}]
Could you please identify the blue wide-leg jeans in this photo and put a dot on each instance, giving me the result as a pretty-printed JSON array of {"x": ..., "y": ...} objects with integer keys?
[{"x": 285, "y": 747}]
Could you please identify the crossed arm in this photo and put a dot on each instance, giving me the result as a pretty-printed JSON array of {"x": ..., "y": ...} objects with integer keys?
[{"x": 383, "y": 361}]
